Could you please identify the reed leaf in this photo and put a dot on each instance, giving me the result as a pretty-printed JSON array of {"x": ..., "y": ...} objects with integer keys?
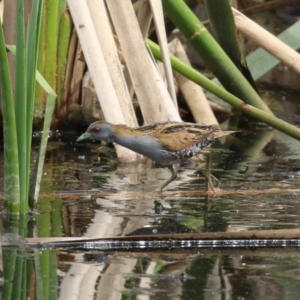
[
  {"x": 38, "y": 169},
  {"x": 65, "y": 31},
  {"x": 51, "y": 40},
  {"x": 225, "y": 32},
  {"x": 32, "y": 56},
  {"x": 11, "y": 160},
  {"x": 21, "y": 102}
]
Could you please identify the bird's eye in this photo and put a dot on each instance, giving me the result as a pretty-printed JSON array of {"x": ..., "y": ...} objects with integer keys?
[{"x": 96, "y": 129}]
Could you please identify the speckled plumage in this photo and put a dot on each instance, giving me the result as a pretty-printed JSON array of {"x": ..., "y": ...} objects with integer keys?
[{"x": 165, "y": 142}]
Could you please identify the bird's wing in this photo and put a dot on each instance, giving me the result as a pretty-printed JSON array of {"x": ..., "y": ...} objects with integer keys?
[{"x": 175, "y": 137}]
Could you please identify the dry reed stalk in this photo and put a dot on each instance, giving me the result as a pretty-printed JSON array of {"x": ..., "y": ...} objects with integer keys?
[
  {"x": 155, "y": 101},
  {"x": 98, "y": 69},
  {"x": 105, "y": 36},
  {"x": 192, "y": 92},
  {"x": 267, "y": 41},
  {"x": 158, "y": 16}
]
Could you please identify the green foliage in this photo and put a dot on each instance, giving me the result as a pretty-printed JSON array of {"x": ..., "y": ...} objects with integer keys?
[
  {"x": 17, "y": 109},
  {"x": 211, "y": 52},
  {"x": 11, "y": 161}
]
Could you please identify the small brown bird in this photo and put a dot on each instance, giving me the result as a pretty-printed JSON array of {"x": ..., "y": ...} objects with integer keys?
[{"x": 165, "y": 142}]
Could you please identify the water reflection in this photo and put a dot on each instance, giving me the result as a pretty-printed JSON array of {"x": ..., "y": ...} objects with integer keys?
[
  {"x": 192, "y": 274},
  {"x": 29, "y": 274}
]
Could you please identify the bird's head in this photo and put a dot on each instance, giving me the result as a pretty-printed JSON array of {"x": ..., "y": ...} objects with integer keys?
[{"x": 98, "y": 131}]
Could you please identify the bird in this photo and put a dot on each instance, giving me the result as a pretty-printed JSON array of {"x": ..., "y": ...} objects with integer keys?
[{"x": 166, "y": 143}]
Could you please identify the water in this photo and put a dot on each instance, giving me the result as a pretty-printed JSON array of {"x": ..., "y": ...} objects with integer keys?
[
  {"x": 173, "y": 274},
  {"x": 84, "y": 196}
]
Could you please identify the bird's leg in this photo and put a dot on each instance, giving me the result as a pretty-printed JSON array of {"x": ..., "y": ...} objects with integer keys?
[
  {"x": 173, "y": 176},
  {"x": 208, "y": 176}
]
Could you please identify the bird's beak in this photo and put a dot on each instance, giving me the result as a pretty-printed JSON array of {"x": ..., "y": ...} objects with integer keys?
[{"x": 84, "y": 136}]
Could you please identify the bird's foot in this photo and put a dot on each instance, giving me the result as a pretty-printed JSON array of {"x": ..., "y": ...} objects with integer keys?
[
  {"x": 173, "y": 176},
  {"x": 210, "y": 187}
]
